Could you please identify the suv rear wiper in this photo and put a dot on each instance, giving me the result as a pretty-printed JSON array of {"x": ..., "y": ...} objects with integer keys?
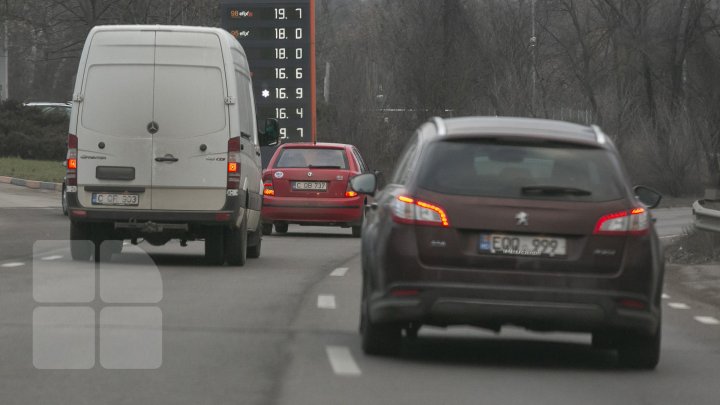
[
  {"x": 324, "y": 167},
  {"x": 555, "y": 190}
]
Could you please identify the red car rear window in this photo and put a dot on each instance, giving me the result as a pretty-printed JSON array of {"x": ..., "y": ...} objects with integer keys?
[{"x": 315, "y": 158}]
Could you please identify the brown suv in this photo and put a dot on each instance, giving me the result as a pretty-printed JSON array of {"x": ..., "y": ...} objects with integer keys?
[{"x": 512, "y": 221}]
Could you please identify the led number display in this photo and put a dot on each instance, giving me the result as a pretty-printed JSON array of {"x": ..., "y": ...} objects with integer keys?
[{"x": 279, "y": 39}]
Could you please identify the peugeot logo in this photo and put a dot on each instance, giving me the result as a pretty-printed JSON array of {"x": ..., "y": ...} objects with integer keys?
[
  {"x": 522, "y": 218},
  {"x": 309, "y": 174},
  {"x": 153, "y": 127}
]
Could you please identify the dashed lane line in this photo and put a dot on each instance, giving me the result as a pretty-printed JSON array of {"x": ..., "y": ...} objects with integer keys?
[
  {"x": 707, "y": 320},
  {"x": 53, "y": 257},
  {"x": 342, "y": 361},
  {"x": 339, "y": 272},
  {"x": 12, "y": 264},
  {"x": 326, "y": 301},
  {"x": 665, "y": 297},
  {"x": 678, "y": 305}
]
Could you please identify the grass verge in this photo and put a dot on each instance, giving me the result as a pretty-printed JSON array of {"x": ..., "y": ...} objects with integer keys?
[
  {"x": 42, "y": 170},
  {"x": 696, "y": 247}
]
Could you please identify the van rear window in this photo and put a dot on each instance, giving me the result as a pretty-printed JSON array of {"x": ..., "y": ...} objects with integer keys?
[{"x": 558, "y": 172}]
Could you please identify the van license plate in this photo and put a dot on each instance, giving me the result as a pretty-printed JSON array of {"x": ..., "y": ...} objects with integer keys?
[
  {"x": 522, "y": 245},
  {"x": 310, "y": 185},
  {"x": 115, "y": 199}
]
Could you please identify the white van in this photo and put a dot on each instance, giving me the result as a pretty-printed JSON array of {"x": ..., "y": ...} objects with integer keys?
[{"x": 163, "y": 143}]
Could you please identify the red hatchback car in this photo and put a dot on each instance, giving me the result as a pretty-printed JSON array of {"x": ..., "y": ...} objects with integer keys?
[{"x": 308, "y": 184}]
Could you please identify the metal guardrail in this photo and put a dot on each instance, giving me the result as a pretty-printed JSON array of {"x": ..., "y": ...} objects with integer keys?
[{"x": 707, "y": 219}]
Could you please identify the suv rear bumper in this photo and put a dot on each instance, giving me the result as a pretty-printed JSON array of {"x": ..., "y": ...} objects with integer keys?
[{"x": 492, "y": 307}]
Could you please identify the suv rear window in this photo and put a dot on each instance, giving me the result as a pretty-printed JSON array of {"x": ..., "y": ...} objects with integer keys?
[
  {"x": 315, "y": 158},
  {"x": 555, "y": 172}
]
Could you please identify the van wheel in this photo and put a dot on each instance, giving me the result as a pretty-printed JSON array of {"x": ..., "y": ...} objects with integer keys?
[
  {"x": 80, "y": 246},
  {"x": 267, "y": 228},
  {"x": 236, "y": 244},
  {"x": 255, "y": 243},
  {"x": 214, "y": 246},
  {"x": 64, "y": 201},
  {"x": 281, "y": 227},
  {"x": 356, "y": 231}
]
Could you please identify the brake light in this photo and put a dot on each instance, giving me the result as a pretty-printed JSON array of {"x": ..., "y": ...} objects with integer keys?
[
  {"x": 410, "y": 211},
  {"x": 349, "y": 192},
  {"x": 71, "y": 173},
  {"x": 268, "y": 188},
  {"x": 633, "y": 222},
  {"x": 233, "y": 165}
]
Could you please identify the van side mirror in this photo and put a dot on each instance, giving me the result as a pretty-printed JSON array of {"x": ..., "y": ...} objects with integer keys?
[
  {"x": 364, "y": 183},
  {"x": 271, "y": 135},
  {"x": 649, "y": 197}
]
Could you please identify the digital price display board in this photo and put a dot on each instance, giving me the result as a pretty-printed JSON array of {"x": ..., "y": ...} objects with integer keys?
[{"x": 279, "y": 39}]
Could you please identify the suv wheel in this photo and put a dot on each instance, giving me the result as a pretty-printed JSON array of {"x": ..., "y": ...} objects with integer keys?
[
  {"x": 80, "y": 246},
  {"x": 236, "y": 244},
  {"x": 378, "y": 339},
  {"x": 640, "y": 351},
  {"x": 255, "y": 243},
  {"x": 214, "y": 246},
  {"x": 281, "y": 227}
]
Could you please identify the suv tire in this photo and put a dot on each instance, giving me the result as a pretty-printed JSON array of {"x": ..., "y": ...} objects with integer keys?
[
  {"x": 378, "y": 339},
  {"x": 640, "y": 351},
  {"x": 236, "y": 244}
]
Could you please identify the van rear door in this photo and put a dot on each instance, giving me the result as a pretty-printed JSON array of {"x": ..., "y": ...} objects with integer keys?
[
  {"x": 114, "y": 146},
  {"x": 189, "y": 149}
]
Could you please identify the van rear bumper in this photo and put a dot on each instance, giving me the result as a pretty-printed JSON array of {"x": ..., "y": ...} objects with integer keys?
[{"x": 228, "y": 214}]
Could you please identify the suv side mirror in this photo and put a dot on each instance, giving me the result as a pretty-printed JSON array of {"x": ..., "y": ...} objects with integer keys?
[
  {"x": 364, "y": 183},
  {"x": 271, "y": 135},
  {"x": 648, "y": 196}
]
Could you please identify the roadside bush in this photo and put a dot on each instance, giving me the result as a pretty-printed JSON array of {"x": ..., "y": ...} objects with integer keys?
[
  {"x": 29, "y": 134},
  {"x": 696, "y": 247}
]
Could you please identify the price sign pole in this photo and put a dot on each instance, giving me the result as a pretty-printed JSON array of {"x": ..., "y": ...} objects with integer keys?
[{"x": 279, "y": 39}]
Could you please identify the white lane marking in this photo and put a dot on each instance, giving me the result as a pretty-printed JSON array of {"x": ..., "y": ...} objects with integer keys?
[
  {"x": 342, "y": 362},
  {"x": 339, "y": 272},
  {"x": 669, "y": 236},
  {"x": 54, "y": 257},
  {"x": 12, "y": 264},
  {"x": 665, "y": 297},
  {"x": 126, "y": 243},
  {"x": 326, "y": 301},
  {"x": 678, "y": 305},
  {"x": 707, "y": 320}
]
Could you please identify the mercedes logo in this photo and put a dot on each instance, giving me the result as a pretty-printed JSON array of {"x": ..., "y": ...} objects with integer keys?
[
  {"x": 153, "y": 127},
  {"x": 522, "y": 218},
  {"x": 309, "y": 174}
]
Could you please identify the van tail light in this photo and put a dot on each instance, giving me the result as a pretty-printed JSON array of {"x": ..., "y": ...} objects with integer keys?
[
  {"x": 233, "y": 164},
  {"x": 349, "y": 192},
  {"x": 407, "y": 210},
  {"x": 71, "y": 163},
  {"x": 633, "y": 222}
]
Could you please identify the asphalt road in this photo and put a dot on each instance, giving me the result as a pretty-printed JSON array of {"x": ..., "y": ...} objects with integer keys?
[{"x": 283, "y": 330}]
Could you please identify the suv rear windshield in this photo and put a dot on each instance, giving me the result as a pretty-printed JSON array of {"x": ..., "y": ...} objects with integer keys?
[
  {"x": 555, "y": 172},
  {"x": 314, "y": 158}
]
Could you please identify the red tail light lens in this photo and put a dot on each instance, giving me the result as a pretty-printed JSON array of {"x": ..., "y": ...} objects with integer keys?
[
  {"x": 633, "y": 222},
  {"x": 71, "y": 173},
  {"x": 233, "y": 165},
  {"x": 349, "y": 192},
  {"x": 410, "y": 211},
  {"x": 268, "y": 188}
]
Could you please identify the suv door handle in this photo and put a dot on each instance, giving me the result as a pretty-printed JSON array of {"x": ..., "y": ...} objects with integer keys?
[{"x": 167, "y": 158}]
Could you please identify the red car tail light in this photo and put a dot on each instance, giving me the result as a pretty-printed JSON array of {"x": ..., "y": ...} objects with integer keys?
[
  {"x": 633, "y": 222},
  {"x": 349, "y": 192},
  {"x": 71, "y": 174},
  {"x": 268, "y": 188},
  {"x": 233, "y": 164},
  {"x": 410, "y": 211}
]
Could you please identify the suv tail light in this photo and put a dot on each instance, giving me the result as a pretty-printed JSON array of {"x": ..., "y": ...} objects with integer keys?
[
  {"x": 410, "y": 211},
  {"x": 233, "y": 164},
  {"x": 633, "y": 222},
  {"x": 71, "y": 163}
]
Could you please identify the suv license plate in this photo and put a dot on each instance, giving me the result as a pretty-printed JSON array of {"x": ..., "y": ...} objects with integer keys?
[
  {"x": 115, "y": 199},
  {"x": 522, "y": 245},
  {"x": 310, "y": 185}
]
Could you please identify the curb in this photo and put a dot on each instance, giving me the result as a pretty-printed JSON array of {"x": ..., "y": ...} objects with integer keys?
[{"x": 34, "y": 184}]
